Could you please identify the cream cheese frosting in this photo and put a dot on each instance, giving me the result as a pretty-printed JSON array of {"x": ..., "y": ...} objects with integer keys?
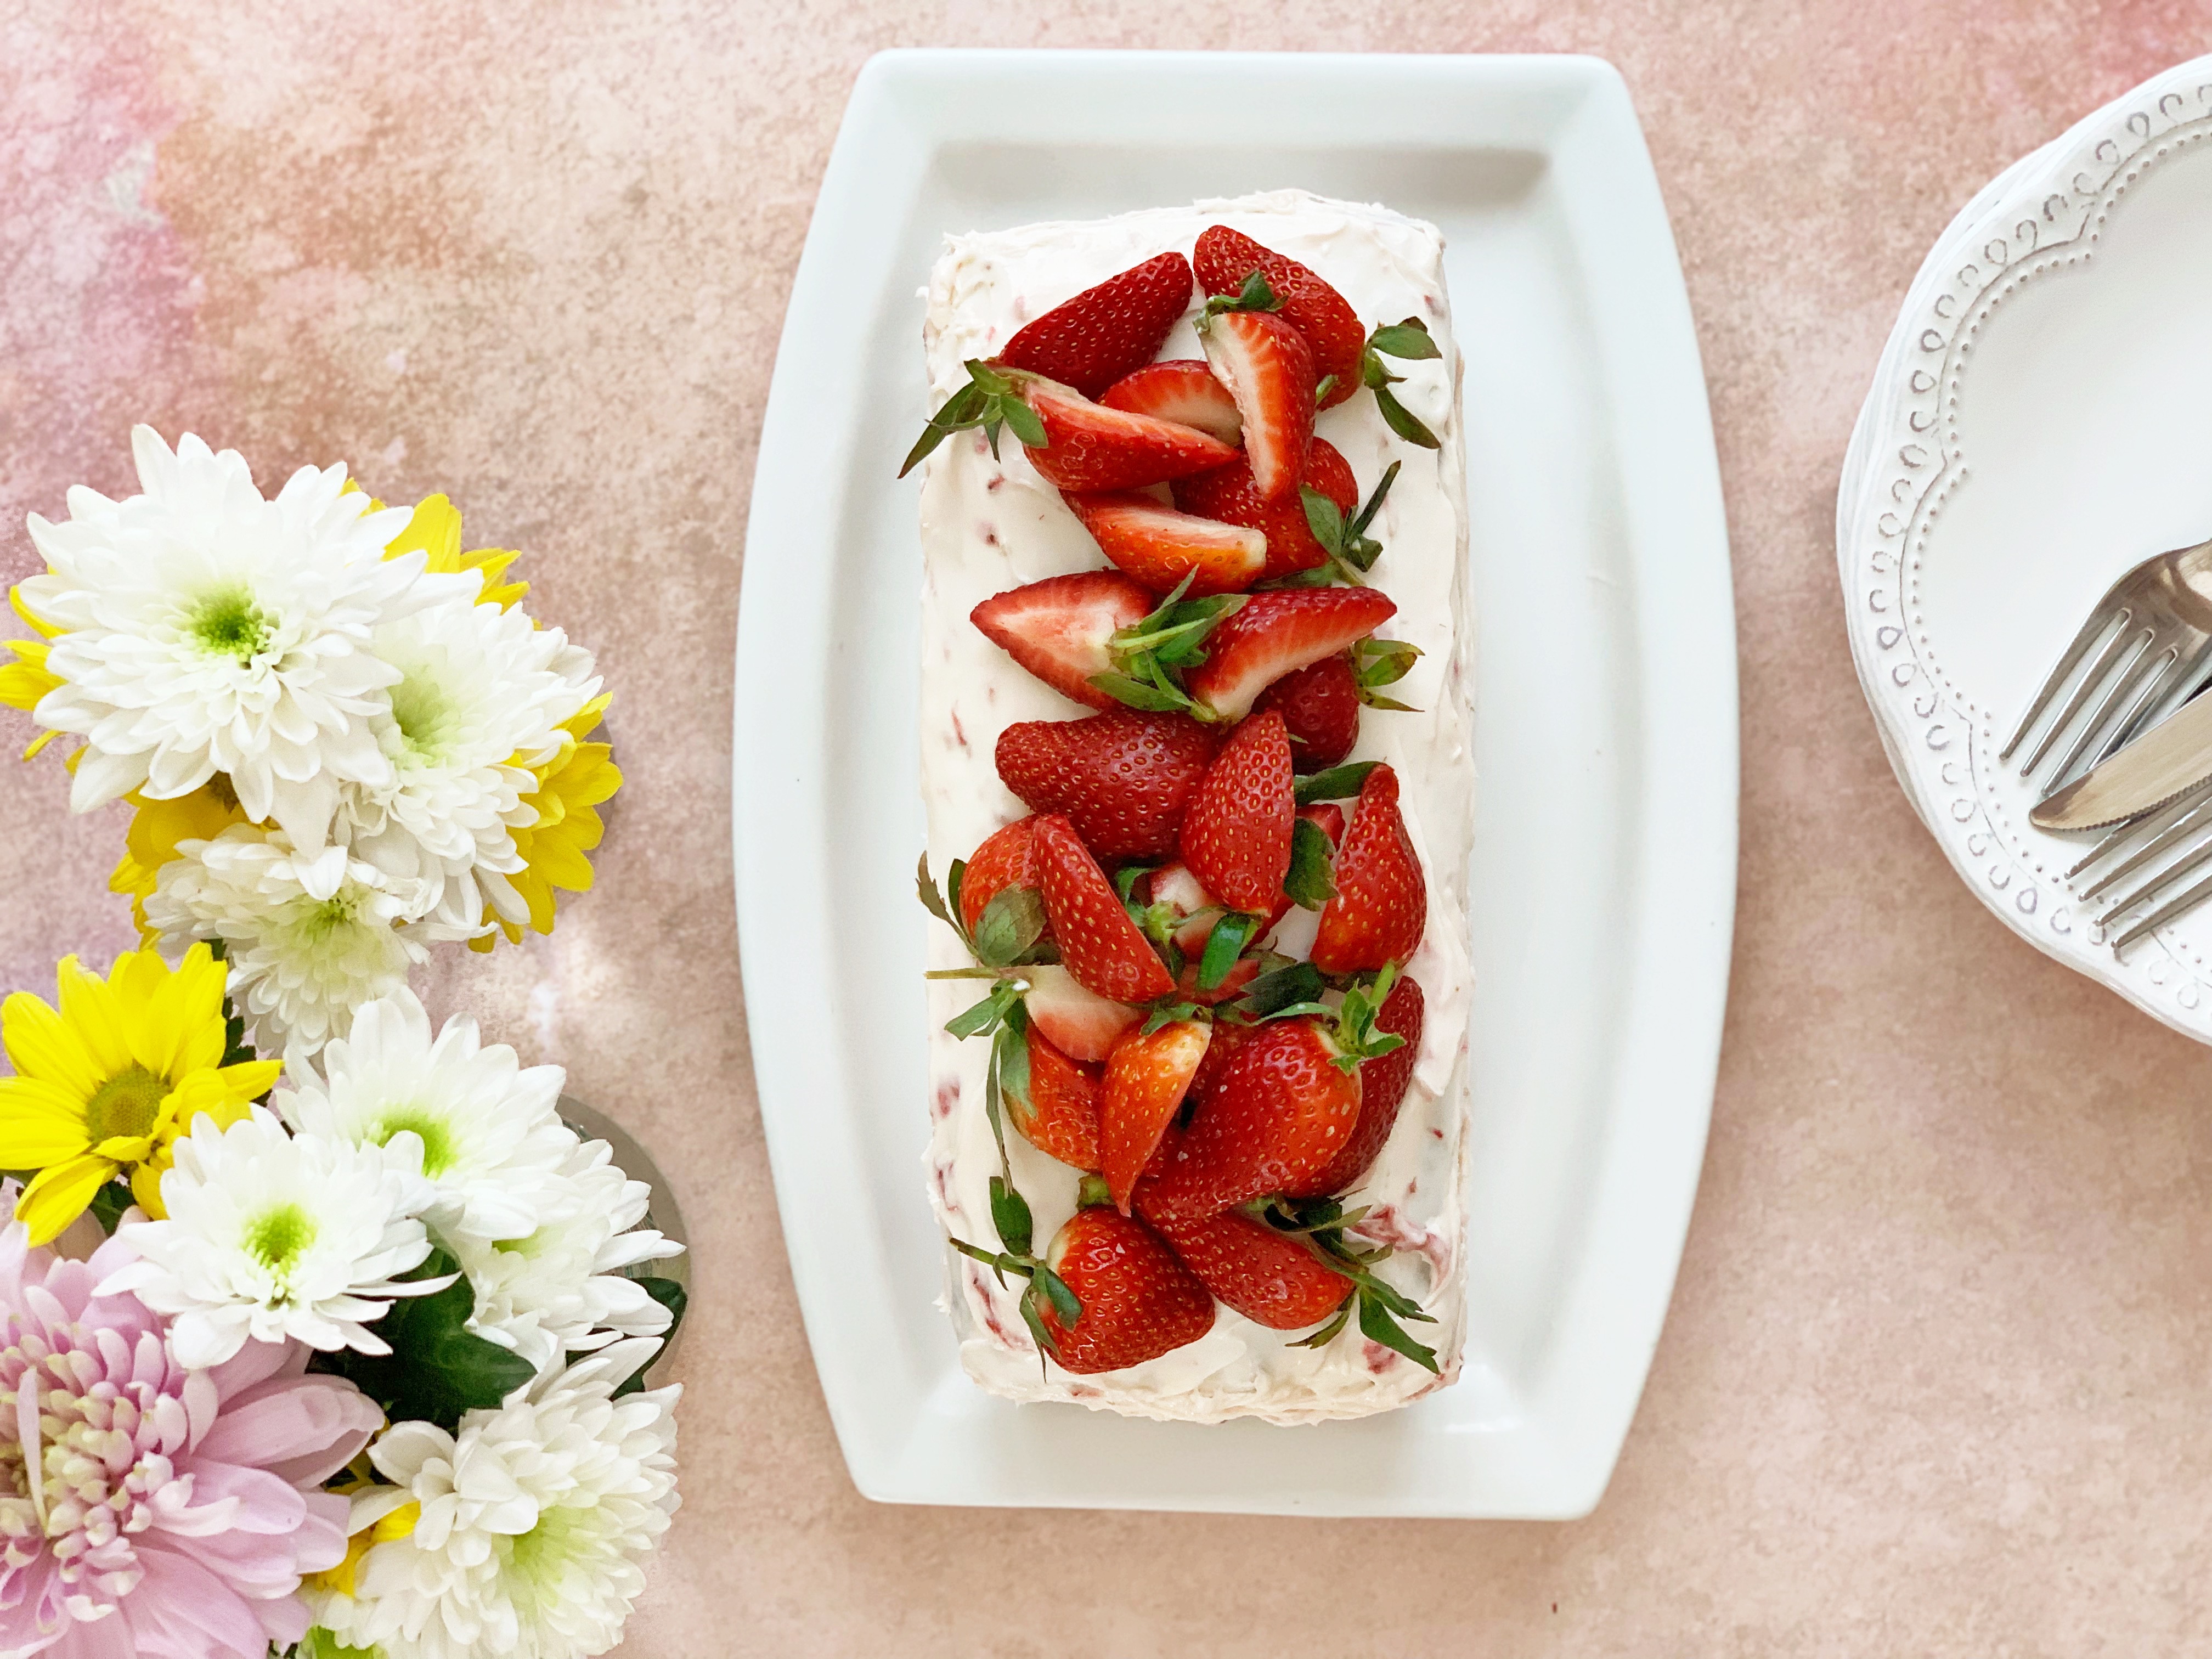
[{"x": 990, "y": 525}]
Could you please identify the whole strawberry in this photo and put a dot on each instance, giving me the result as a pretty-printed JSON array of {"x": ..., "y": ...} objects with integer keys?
[
  {"x": 1381, "y": 903},
  {"x": 1124, "y": 779},
  {"x": 1382, "y": 1084},
  {"x": 1104, "y": 332},
  {"x": 1320, "y": 707},
  {"x": 1137, "y": 1299},
  {"x": 1269, "y": 1278},
  {"x": 1235, "y": 834},
  {"x": 1098, "y": 944}
]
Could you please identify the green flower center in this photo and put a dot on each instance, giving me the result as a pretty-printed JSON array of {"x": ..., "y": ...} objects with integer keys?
[
  {"x": 227, "y": 624},
  {"x": 326, "y": 916},
  {"x": 427, "y": 715},
  {"x": 538, "y": 1559},
  {"x": 126, "y": 1104},
  {"x": 276, "y": 1237},
  {"x": 439, "y": 1151}
]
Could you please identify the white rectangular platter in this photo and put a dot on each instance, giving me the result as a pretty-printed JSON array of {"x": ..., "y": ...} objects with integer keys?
[{"x": 1603, "y": 878}]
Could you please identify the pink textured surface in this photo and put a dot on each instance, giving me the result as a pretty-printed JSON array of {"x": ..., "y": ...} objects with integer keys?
[{"x": 1939, "y": 1364}]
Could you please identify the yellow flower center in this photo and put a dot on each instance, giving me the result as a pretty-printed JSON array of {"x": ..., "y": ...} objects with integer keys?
[{"x": 126, "y": 1104}]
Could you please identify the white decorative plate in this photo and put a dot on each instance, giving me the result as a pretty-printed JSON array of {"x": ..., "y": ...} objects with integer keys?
[
  {"x": 2039, "y": 424},
  {"x": 1603, "y": 880}
]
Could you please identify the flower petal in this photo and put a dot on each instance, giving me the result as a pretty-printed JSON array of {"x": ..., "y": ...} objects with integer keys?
[
  {"x": 58, "y": 1195},
  {"x": 41, "y": 1044},
  {"x": 40, "y": 1124}
]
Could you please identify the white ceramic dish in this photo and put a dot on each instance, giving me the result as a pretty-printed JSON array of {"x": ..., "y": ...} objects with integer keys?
[
  {"x": 2037, "y": 425},
  {"x": 1603, "y": 878}
]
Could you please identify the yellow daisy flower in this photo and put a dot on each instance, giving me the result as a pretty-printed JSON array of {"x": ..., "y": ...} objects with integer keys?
[
  {"x": 435, "y": 529},
  {"x": 570, "y": 788},
  {"x": 156, "y": 826},
  {"x": 104, "y": 1087},
  {"x": 26, "y": 679}
]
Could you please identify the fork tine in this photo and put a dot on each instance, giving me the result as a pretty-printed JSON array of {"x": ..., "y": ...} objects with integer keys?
[
  {"x": 2174, "y": 907},
  {"x": 2198, "y": 855},
  {"x": 2127, "y": 645},
  {"x": 2195, "y": 820},
  {"x": 2153, "y": 675},
  {"x": 2180, "y": 686},
  {"x": 2055, "y": 681}
]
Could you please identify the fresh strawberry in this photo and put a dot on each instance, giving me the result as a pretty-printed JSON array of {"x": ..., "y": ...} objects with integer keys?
[
  {"x": 1058, "y": 628},
  {"x": 1227, "y": 1039},
  {"x": 1234, "y": 983},
  {"x": 1382, "y": 903},
  {"x": 1271, "y": 1278},
  {"x": 1229, "y": 493},
  {"x": 1094, "y": 339},
  {"x": 1181, "y": 390},
  {"x": 1173, "y": 885},
  {"x": 1005, "y": 859},
  {"x": 1319, "y": 706},
  {"x": 1272, "y": 634},
  {"x": 1059, "y": 1117},
  {"x": 1269, "y": 371},
  {"x": 1330, "y": 817},
  {"x": 1279, "y": 1113},
  {"x": 1236, "y": 832},
  {"x": 1098, "y": 943},
  {"x": 1123, "y": 778},
  {"x": 1383, "y": 1082},
  {"x": 1146, "y": 1076},
  {"x": 1225, "y": 258},
  {"x": 1090, "y": 447},
  {"x": 1080, "y": 1023},
  {"x": 1137, "y": 1299},
  {"x": 1159, "y": 547}
]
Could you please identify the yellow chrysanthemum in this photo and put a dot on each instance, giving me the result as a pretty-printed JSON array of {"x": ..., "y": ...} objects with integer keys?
[
  {"x": 435, "y": 529},
  {"x": 397, "y": 1523},
  {"x": 156, "y": 826},
  {"x": 104, "y": 1087},
  {"x": 26, "y": 679},
  {"x": 570, "y": 789}
]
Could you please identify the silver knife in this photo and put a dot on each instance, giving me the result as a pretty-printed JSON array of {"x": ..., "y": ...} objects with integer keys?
[{"x": 2165, "y": 763}]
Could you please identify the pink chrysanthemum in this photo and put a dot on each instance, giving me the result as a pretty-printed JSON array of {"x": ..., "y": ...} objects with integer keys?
[{"x": 145, "y": 1509}]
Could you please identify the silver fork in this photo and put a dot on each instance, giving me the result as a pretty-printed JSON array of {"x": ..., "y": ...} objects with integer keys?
[
  {"x": 2145, "y": 650},
  {"x": 2154, "y": 852}
]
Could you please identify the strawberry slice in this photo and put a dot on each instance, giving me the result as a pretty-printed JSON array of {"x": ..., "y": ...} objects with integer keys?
[
  {"x": 1005, "y": 859},
  {"x": 1229, "y": 495},
  {"x": 1098, "y": 943},
  {"x": 1059, "y": 1116},
  {"x": 1181, "y": 390},
  {"x": 1320, "y": 707},
  {"x": 1058, "y": 628},
  {"x": 1137, "y": 1299},
  {"x": 1173, "y": 886},
  {"x": 1382, "y": 903},
  {"x": 1226, "y": 258},
  {"x": 1080, "y": 1023},
  {"x": 1383, "y": 1082},
  {"x": 1146, "y": 1077},
  {"x": 1159, "y": 547},
  {"x": 1124, "y": 778},
  {"x": 1095, "y": 338},
  {"x": 1235, "y": 834},
  {"x": 1090, "y": 447},
  {"x": 1272, "y": 634},
  {"x": 1271, "y": 1278},
  {"x": 1269, "y": 371}
]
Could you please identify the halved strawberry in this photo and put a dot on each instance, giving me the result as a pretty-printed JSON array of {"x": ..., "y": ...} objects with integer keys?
[
  {"x": 1181, "y": 390},
  {"x": 1090, "y": 447},
  {"x": 1234, "y": 983},
  {"x": 1094, "y": 339},
  {"x": 1146, "y": 1076},
  {"x": 1269, "y": 1277},
  {"x": 1269, "y": 371},
  {"x": 1077, "y": 1021},
  {"x": 1382, "y": 903},
  {"x": 1383, "y": 1082},
  {"x": 1059, "y": 1116},
  {"x": 1123, "y": 778},
  {"x": 1235, "y": 834},
  {"x": 1098, "y": 943},
  {"x": 1137, "y": 1299},
  {"x": 1159, "y": 547},
  {"x": 1272, "y": 634},
  {"x": 1320, "y": 707},
  {"x": 1058, "y": 628},
  {"x": 1173, "y": 885},
  {"x": 1330, "y": 817},
  {"x": 1225, "y": 259},
  {"x": 1004, "y": 859},
  {"x": 1229, "y": 493}
]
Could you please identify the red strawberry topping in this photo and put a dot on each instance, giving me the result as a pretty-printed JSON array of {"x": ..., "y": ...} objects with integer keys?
[
  {"x": 1005, "y": 859},
  {"x": 1123, "y": 778},
  {"x": 1060, "y": 1117},
  {"x": 1320, "y": 705},
  {"x": 1383, "y": 1082},
  {"x": 1146, "y": 1076},
  {"x": 1157, "y": 546},
  {"x": 1139, "y": 1300},
  {"x": 1382, "y": 903},
  {"x": 1270, "y": 1278},
  {"x": 1058, "y": 628},
  {"x": 1269, "y": 371},
  {"x": 1098, "y": 943},
  {"x": 1090, "y": 447},
  {"x": 1236, "y": 833},
  {"x": 1181, "y": 390},
  {"x": 1080, "y": 1023},
  {"x": 1272, "y": 634},
  {"x": 1225, "y": 258},
  {"x": 1229, "y": 493},
  {"x": 1094, "y": 339}
]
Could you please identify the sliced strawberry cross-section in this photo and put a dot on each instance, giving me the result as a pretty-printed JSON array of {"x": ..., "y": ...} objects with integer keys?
[
  {"x": 1274, "y": 634},
  {"x": 1182, "y": 389},
  {"x": 1159, "y": 547},
  {"x": 1090, "y": 447},
  {"x": 1060, "y": 628},
  {"x": 1099, "y": 945},
  {"x": 1225, "y": 260},
  {"x": 1094, "y": 339},
  {"x": 1123, "y": 778},
  {"x": 1079, "y": 1022},
  {"x": 1269, "y": 371},
  {"x": 1229, "y": 495}
]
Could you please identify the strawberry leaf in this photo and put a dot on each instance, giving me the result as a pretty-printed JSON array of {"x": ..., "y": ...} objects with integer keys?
[
  {"x": 1031, "y": 1318},
  {"x": 987, "y": 1015},
  {"x": 1009, "y": 1056},
  {"x": 1011, "y": 924},
  {"x": 1066, "y": 1306},
  {"x": 1138, "y": 694},
  {"x": 1255, "y": 296},
  {"x": 1311, "y": 882},
  {"x": 1329, "y": 1333},
  {"x": 1022, "y": 421},
  {"x": 934, "y": 901},
  {"x": 1283, "y": 987},
  {"x": 1366, "y": 515},
  {"x": 1166, "y": 1013},
  {"x": 1403, "y": 422},
  {"x": 1383, "y": 662},
  {"x": 1376, "y": 1325},
  {"x": 1223, "y": 947},
  {"x": 1009, "y": 1214},
  {"x": 1335, "y": 784},
  {"x": 1410, "y": 339},
  {"x": 1091, "y": 1192}
]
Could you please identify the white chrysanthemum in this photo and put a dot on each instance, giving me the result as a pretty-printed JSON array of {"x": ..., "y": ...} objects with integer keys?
[
  {"x": 206, "y": 630},
  {"x": 559, "y": 1288},
  {"x": 271, "y": 1236},
  {"x": 308, "y": 937},
  {"x": 535, "y": 1520},
  {"x": 484, "y": 1131},
  {"x": 480, "y": 698}
]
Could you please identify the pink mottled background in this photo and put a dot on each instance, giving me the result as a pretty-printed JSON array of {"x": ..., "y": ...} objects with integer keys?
[{"x": 1938, "y": 1379}]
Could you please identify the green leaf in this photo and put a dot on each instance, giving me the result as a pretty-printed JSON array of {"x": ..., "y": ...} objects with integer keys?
[
  {"x": 1223, "y": 946},
  {"x": 932, "y": 900},
  {"x": 1375, "y": 501},
  {"x": 1312, "y": 881},
  {"x": 1009, "y": 1053},
  {"x": 962, "y": 410},
  {"x": 1255, "y": 296},
  {"x": 1329, "y": 1333},
  {"x": 1410, "y": 339},
  {"x": 984, "y": 1016},
  {"x": 671, "y": 1295},
  {"x": 1283, "y": 987},
  {"x": 1066, "y": 1306},
  {"x": 1403, "y": 422},
  {"x": 1323, "y": 517},
  {"x": 988, "y": 379},
  {"x": 1383, "y": 662},
  {"x": 437, "y": 1369},
  {"x": 1376, "y": 1325},
  {"x": 1125, "y": 879},
  {"x": 1136, "y": 693},
  {"x": 1031, "y": 1318},
  {"x": 1335, "y": 784},
  {"x": 1166, "y": 1013},
  {"x": 1011, "y": 922},
  {"x": 1010, "y": 1215},
  {"x": 108, "y": 1205},
  {"x": 1023, "y": 421}
]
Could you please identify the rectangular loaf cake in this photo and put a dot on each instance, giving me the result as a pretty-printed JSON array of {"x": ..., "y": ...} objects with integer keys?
[{"x": 989, "y": 525}]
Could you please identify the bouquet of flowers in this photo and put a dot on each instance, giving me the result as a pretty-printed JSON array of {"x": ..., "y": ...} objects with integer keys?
[{"x": 343, "y": 1351}]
